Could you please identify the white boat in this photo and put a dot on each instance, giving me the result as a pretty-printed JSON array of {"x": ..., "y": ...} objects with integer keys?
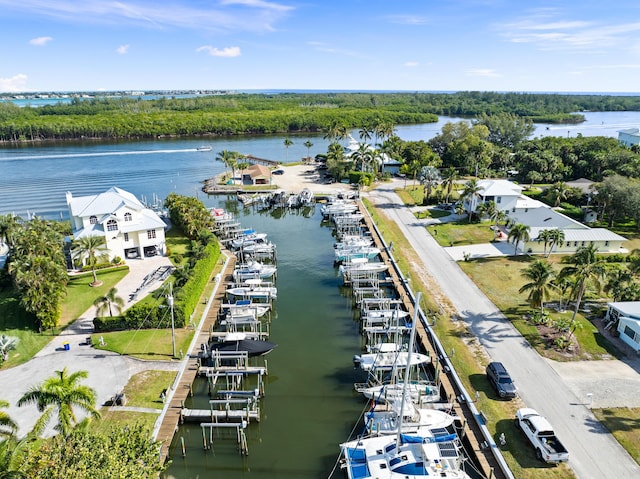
[
  {"x": 244, "y": 311},
  {"x": 204, "y": 148},
  {"x": 361, "y": 265},
  {"x": 338, "y": 207},
  {"x": 349, "y": 254},
  {"x": 248, "y": 239},
  {"x": 405, "y": 457},
  {"x": 352, "y": 241},
  {"x": 259, "y": 248},
  {"x": 418, "y": 392},
  {"x": 252, "y": 270},
  {"x": 387, "y": 361},
  {"x": 384, "y": 419},
  {"x": 254, "y": 289},
  {"x": 432, "y": 451}
]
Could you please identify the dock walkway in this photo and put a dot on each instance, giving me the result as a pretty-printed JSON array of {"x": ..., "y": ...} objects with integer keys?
[{"x": 183, "y": 389}]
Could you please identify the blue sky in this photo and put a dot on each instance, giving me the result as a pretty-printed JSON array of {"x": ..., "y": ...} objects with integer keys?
[{"x": 413, "y": 45}]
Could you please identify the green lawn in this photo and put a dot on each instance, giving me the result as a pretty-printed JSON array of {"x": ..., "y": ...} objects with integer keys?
[
  {"x": 501, "y": 278},
  {"x": 145, "y": 343},
  {"x": 461, "y": 233},
  {"x": 624, "y": 424}
]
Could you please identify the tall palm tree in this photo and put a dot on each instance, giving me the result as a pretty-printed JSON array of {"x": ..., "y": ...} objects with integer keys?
[
  {"x": 544, "y": 237},
  {"x": 587, "y": 268},
  {"x": 287, "y": 144},
  {"x": 61, "y": 393},
  {"x": 225, "y": 156},
  {"x": 556, "y": 238},
  {"x": 308, "y": 144},
  {"x": 109, "y": 302},
  {"x": 90, "y": 248},
  {"x": 519, "y": 233},
  {"x": 470, "y": 195},
  {"x": 449, "y": 177},
  {"x": 540, "y": 275},
  {"x": 336, "y": 132}
]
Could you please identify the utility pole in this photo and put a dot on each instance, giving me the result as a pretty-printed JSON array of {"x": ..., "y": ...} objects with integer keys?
[{"x": 173, "y": 331}]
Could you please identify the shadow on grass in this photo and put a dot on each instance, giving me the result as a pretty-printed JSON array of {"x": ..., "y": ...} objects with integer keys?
[{"x": 517, "y": 444}]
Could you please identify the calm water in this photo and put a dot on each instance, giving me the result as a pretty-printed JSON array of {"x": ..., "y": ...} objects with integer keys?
[
  {"x": 34, "y": 179},
  {"x": 309, "y": 405}
]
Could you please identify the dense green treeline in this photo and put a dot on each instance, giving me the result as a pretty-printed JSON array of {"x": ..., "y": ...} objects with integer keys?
[{"x": 238, "y": 114}]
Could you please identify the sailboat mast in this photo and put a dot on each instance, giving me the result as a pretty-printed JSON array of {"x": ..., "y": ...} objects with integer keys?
[{"x": 412, "y": 338}]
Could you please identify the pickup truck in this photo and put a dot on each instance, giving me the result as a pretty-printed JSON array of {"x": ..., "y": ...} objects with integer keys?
[{"x": 541, "y": 435}]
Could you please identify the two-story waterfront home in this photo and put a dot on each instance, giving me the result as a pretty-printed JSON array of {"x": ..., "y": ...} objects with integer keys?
[
  {"x": 539, "y": 216},
  {"x": 131, "y": 230}
]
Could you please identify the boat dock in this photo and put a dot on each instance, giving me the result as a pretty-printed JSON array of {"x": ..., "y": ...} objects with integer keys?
[{"x": 183, "y": 389}]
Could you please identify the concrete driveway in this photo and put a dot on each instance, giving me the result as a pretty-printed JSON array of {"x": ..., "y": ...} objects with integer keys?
[
  {"x": 594, "y": 453},
  {"x": 108, "y": 372}
]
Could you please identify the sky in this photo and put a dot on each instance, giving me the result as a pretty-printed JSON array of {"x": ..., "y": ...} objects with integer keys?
[{"x": 362, "y": 45}]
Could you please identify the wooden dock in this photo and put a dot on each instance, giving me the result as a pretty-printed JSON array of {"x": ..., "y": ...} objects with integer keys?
[{"x": 183, "y": 389}]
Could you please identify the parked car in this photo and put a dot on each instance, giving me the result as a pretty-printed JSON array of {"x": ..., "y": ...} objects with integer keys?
[
  {"x": 541, "y": 436},
  {"x": 501, "y": 381}
]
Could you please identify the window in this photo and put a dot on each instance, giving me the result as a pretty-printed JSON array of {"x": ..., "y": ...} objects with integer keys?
[
  {"x": 112, "y": 225},
  {"x": 575, "y": 243},
  {"x": 513, "y": 210},
  {"x": 582, "y": 244},
  {"x": 498, "y": 200},
  {"x": 128, "y": 217},
  {"x": 126, "y": 237},
  {"x": 606, "y": 243},
  {"x": 526, "y": 210},
  {"x": 630, "y": 332},
  {"x": 93, "y": 220},
  {"x": 151, "y": 234}
]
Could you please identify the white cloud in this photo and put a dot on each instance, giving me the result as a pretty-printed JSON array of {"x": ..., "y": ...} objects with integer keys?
[
  {"x": 549, "y": 33},
  {"x": 16, "y": 83},
  {"x": 40, "y": 41},
  {"x": 225, "y": 15},
  {"x": 411, "y": 64},
  {"x": 228, "y": 52},
  {"x": 122, "y": 49},
  {"x": 408, "y": 19},
  {"x": 483, "y": 72}
]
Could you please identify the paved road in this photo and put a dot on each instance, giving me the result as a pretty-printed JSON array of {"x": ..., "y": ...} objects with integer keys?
[{"x": 594, "y": 454}]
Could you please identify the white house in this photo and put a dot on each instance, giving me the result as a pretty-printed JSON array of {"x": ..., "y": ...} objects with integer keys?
[
  {"x": 629, "y": 137},
  {"x": 131, "y": 230},
  {"x": 540, "y": 216},
  {"x": 625, "y": 317}
]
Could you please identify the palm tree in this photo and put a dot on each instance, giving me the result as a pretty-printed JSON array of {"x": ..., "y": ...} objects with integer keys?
[
  {"x": 62, "y": 393},
  {"x": 336, "y": 132},
  {"x": 517, "y": 234},
  {"x": 287, "y": 144},
  {"x": 11, "y": 457},
  {"x": 90, "y": 248},
  {"x": 545, "y": 237},
  {"x": 556, "y": 237},
  {"x": 449, "y": 177},
  {"x": 109, "y": 302},
  {"x": 8, "y": 427},
  {"x": 471, "y": 194},
  {"x": 225, "y": 156},
  {"x": 587, "y": 268},
  {"x": 308, "y": 144},
  {"x": 560, "y": 191},
  {"x": 429, "y": 177},
  {"x": 540, "y": 274}
]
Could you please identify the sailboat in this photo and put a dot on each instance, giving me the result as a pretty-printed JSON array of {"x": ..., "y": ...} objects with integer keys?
[{"x": 432, "y": 450}]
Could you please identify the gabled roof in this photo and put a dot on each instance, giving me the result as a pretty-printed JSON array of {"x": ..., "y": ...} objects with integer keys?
[
  {"x": 103, "y": 203},
  {"x": 255, "y": 171},
  {"x": 499, "y": 188}
]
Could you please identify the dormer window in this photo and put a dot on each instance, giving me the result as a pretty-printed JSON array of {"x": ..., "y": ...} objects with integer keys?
[
  {"x": 128, "y": 217},
  {"x": 112, "y": 225},
  {"x": 93, "y": 220}
]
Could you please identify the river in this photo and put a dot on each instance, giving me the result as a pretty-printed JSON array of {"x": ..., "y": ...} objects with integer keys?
[{"x": 35, "y": 178}]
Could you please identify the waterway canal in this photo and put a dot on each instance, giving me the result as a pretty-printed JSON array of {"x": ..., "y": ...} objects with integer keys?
[{"x": 309, "y": 405}]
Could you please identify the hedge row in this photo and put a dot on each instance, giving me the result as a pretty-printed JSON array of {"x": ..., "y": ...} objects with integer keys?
[{"x": 188, "y": 296}]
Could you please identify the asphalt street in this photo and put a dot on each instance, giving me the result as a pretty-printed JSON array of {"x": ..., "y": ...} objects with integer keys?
[{"x": 594, "y": 453}]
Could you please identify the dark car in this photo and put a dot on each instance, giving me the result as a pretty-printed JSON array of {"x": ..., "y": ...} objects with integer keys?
[{"x": 501, "y": 380}]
